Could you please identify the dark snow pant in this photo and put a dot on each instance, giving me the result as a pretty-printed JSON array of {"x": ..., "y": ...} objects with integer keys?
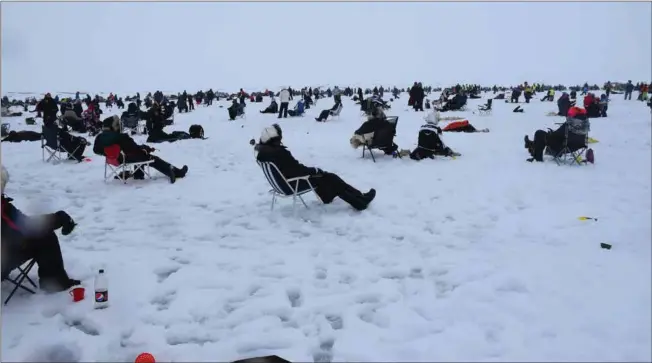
[
  {"x": 159, "y": 164},
  {"x": 329, "y": 185},
  {"x": 538, "y": 145},
  {"x": 19, "y": 136},
  {"x": 418, "y": 104},
  {"x": 324, "y": 115},
  {"x": 283, "y": 110},
  {"x": 70, "y": 143},
  {"x": 628, "y": 95},
  {"x": 466, "y": 128},
  {"x": 45, "y": 250}
]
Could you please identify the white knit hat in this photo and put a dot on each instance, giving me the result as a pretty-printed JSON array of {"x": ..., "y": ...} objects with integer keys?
[{"x": 270, "y": 133}]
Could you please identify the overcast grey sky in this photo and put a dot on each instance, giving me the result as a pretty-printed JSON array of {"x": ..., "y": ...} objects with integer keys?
[{"x": 128, "y": 47}]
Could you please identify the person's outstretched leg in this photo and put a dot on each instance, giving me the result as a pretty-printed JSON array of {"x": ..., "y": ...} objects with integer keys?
[
  {"x": 330, "y": 185},
  {"x": 167, "y": 169},
  {"x": 47, "y": 253},
  {"x": 323, "y": 115},
  {"x": 537, "y": 146}
]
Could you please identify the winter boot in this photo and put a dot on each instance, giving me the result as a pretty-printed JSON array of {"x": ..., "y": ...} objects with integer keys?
[
  {"x": 356, "y": 199},
  {"x": 57, "y": 284},
  {"x": 172, "y": 175},
  {"x": 180, "y": 173}
]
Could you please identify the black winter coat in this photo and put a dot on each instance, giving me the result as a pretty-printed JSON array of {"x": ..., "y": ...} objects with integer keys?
[{"x": 284, "y": 161}]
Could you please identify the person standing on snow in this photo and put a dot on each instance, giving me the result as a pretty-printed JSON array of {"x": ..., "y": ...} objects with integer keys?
[{"x": 284, "y": 98}]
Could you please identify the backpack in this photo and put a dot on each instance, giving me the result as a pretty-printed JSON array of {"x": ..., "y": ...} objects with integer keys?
[
  {"x": 429, "y": 138},
  {"x": 196, "y": 132}
]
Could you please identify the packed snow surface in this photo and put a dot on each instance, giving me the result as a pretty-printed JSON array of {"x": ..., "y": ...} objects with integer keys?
[{"x": 480, "y": 258}]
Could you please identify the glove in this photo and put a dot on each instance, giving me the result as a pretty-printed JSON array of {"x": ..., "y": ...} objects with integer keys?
[{"x": 65, "y": 221}]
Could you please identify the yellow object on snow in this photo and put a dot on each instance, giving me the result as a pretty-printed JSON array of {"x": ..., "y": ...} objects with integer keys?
[{"x": 592, "y": 140}]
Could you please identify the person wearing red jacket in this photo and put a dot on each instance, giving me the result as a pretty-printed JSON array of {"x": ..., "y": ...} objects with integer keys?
[{"x": 577, "y": 124}]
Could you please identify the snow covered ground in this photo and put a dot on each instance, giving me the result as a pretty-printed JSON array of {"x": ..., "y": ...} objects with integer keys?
[{"x": 481, "y": 258}]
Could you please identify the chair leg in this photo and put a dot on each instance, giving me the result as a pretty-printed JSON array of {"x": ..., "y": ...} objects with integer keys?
[
  {"x": 18, "y": 283},
  {"x": 372, "y": 155},
  {"x": 303, "y": 201},
  {"x": 273, "y": 201}
]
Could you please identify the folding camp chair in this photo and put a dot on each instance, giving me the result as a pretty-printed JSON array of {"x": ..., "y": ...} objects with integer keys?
[
  {"x": 133, "y": 124},
  {"x": 51, "y": 144},
  {"x": 369, "y": 146},
  {"x": 573, "y": 152},
  {"x": 285, "y": 188},
  {"x": 115, "y": 165},
  {"x": 486, "y": 108},
  {"x": 23, "y": 274},
  {"x": 336, "y": 112}
]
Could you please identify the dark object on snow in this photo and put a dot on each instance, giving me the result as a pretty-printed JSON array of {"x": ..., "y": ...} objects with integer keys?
[
  {"x": 196, "y": 132},
  {"x": 606, "y": 246},
  {"x": 20, "y": 136},
  {"x": 30, "y": 121},
  {"x": 267, "y": 359},
  {"x": 518, "y": 109}
]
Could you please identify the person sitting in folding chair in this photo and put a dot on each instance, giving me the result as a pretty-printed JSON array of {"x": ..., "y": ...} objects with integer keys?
[
  {"x": 32, "y": 237},
  {"x": 131, "y": 119},
  {"x": 327, "y": 185},
  {"x": 74, "y": 146},
  {"x": 334, "y": 111},
  {"x": 236, "y": 109},
  {"x": 133, "y": 152},
  {"x": 456, "y": 103},
  {"x": 376, "y": 130},
  {"x": 272, "y": 108},
  {"x": 298, "y": 110},
  {"x": 552, "y": 142},
  {"x": 486, "y": 108}
]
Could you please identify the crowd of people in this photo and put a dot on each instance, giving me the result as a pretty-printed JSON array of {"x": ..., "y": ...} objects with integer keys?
[{"x": 33, "y": 237}]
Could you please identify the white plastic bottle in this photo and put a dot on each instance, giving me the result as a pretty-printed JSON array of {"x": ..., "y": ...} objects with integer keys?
[{"x": 101, "y": 291}]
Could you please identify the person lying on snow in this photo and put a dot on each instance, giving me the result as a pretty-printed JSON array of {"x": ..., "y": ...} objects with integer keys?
[
  {"x": 335, "y": 110},
  {"x": 462, "y": 126},
  {"x": 430, "y": 144},
  {"x": 298, "y": 110},
  {"x": 327, "y": 185},
  {"x": 236, "y": 109},
  {"x": 553, "y": 141},
  {"x": 377, "y": 131},
  {"x": 272, "y": 108},
  {"x": 111, "y": 135},
  {"x": 32, "y": 237},
  {"x": 158, "y": 136},
  {"x": 19, "y": 136},
  {"x": 70, "y": 142}
]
